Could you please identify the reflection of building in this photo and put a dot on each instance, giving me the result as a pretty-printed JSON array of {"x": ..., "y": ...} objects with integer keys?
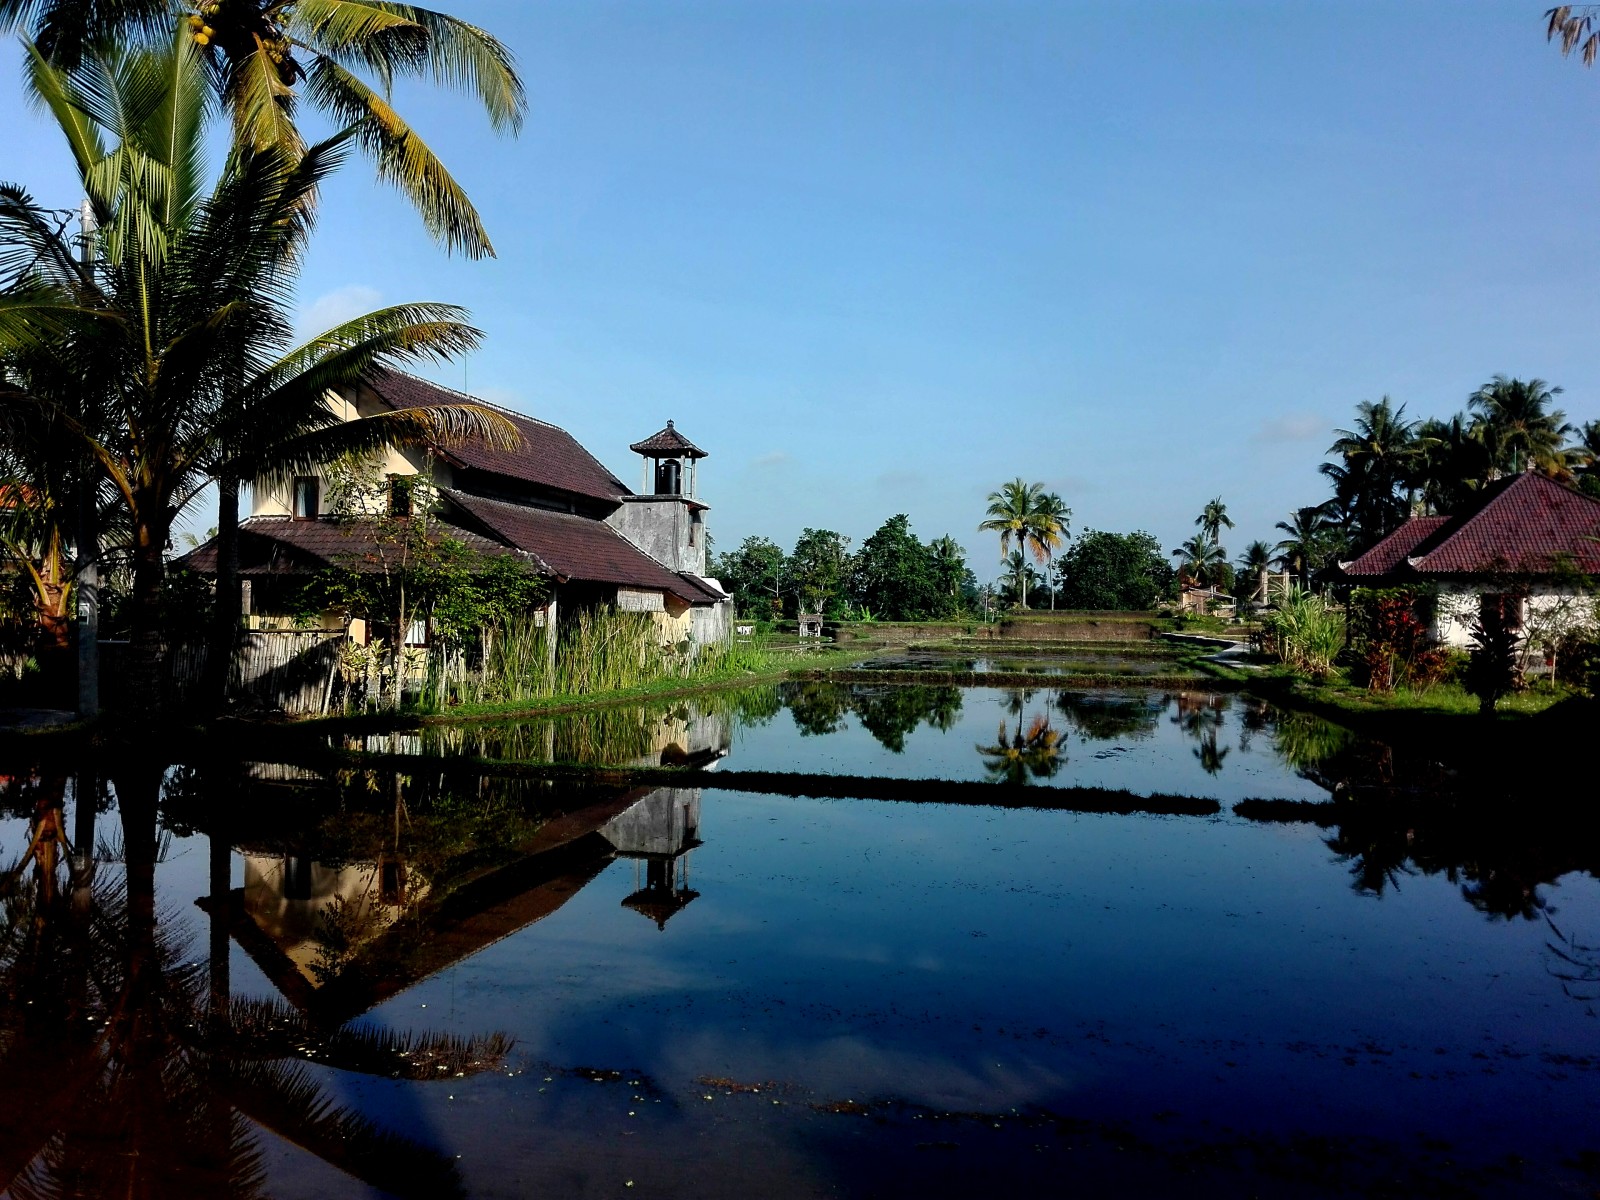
[
  {"x": 658, "y": 832},
  {"x": 336, "y": 941}
]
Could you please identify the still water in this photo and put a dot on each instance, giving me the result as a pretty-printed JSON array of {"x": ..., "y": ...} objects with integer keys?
[{"x": 439, "y": 982}]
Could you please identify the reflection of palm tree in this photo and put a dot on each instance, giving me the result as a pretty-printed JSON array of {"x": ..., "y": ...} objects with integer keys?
[
  {"x": 1015, "y": 757},
  {"x": 119, "y": 1077}
]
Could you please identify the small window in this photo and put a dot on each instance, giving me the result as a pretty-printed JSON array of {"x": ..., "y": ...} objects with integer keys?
[
  {"x": 399, "y": 497},
  {"x": 417, "y": 634},
  {"x": 694, "y": 528},
  {"x": 307, "y": 497}
]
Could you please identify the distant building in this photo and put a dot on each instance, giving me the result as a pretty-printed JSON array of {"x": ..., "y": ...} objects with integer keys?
[
  {"x": 1527, "y": 535},
  {"x": 548, "y": 501}
]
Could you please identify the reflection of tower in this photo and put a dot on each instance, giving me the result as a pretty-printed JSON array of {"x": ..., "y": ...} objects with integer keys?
[{"x": 659, "y": 830}]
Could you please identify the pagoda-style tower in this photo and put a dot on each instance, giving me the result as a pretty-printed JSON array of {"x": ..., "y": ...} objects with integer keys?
[
  {"x": 666, "y": 519},
  {"x": 673, "y": 456}
]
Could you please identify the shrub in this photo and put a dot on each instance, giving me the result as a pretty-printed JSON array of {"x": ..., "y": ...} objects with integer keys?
[
  {"x": 1394, "y": 645},
  {"x": 1305, "y": 633},
  {"x": 1494, "y": 668}
]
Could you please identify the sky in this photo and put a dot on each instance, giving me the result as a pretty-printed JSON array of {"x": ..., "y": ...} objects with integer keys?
[{"x": 877, "y": 256}]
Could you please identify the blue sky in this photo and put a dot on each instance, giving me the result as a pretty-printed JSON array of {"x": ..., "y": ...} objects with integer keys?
[{"x": 879, "y": 257}]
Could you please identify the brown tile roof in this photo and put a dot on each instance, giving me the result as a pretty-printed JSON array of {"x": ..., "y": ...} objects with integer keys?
[
  {"x": 668, "y": 443},
  {"x": 285, "y": 546},
  {"x": 548, "y": 456},
  {"x": 575, "y": 547},
  {"x": 1528, "y": 525},
  {"x": 1392, "y": 552}
]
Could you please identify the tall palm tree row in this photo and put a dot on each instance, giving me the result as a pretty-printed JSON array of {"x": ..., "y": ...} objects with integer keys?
[
  {"x": 1035, "y": 520},
  {"x": 260, "y": 58},
  {"x": 1386, "y": 467},
  {"x": 169, "y": 359}
]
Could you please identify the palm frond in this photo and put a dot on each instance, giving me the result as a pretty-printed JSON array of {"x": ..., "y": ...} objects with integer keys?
[{"x": 402, "y": 158}]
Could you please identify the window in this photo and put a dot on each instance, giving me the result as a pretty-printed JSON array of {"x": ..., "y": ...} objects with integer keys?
[
  {"x": 694, "y": 528},
  {"x": 399, "y": 497},
  {"x": 307, "y": 497},
  {"x": 417, "y": 634}
]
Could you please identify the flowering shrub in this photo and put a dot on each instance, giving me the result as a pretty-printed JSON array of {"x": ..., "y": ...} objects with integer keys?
[{"x": 1393, "y": 643}]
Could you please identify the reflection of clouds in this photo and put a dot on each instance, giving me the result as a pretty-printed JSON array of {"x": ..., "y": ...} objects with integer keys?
[{"x": 852, "y": 1068}]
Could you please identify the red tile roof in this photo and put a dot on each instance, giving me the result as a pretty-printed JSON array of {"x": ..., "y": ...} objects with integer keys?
[
  {"x": 1530, "y": 525},
  {"x": 548, "y": 456},
  {"x": 286, "y": 546},
  {"x": 668, "y": 443},
  {"x": 1393, "y": 550},
  {"x": 1525, "y": 525},
  {"x": 575, "y": 547}
]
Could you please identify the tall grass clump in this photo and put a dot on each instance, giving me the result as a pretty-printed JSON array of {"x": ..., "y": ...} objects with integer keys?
[{"x": 1305, "y": 632}]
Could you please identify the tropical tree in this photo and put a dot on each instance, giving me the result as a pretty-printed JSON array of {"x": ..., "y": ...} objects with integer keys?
[
  {"x": 819, "y": 570},
  {"x": 1308, "y": 541},
  {"x": 754, "y": 573},
  {"x": 892, "y": 573},
  {"x": 262, "y": 57},
  {"x": 1574, "y": 24},
  {"x": 1455, "y": 460},
  {"x": 1108, "y": 571},
  {"x": 1024, "y": 513},
  {"x": 1375, "y": 468},
  {"x": 1018, "y": 579},
  {"x": 1522, "y": 428},
  {"x": 1257, "y": 560},
  {"x": 1201, "y": 559},
  {"x": 1031, "y": 753},
  {"x": 950, "y": 573},
  {"x": 174, "y": 354},
  {"x": 1213, "y": 519}
]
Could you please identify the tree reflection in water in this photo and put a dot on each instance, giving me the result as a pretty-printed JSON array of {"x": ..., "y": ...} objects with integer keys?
[
  {"x": 1200, "y": 716},
  {"x": 129, "y": 1069},
  {"x": 1111, "y": 716},
  {"x": 1034, "y": 753},
  {"x": 889, "y": 712}
]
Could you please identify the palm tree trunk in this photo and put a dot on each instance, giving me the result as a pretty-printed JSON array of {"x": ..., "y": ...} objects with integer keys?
[
  {"x": 223, "y": 645},
  {"x": 146, "y": 649}
]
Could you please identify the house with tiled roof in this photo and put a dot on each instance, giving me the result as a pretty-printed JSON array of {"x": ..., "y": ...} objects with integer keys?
[
  {"x": 1527, "y": 535},
  {"x": 546, "y": 500}
]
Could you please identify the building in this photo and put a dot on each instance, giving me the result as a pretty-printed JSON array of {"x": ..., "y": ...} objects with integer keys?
[
  {"x": 547, "y": 501},
  {"x": 1527, "y": 535}
]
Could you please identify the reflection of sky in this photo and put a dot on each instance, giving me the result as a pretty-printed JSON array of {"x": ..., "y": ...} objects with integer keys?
[
  {"x": 972, "y": 958},
  {"x": 982, "y": 959},
  {"x": 1159, "y": 758}
]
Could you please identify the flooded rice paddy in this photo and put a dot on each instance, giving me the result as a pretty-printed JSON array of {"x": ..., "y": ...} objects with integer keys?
[{"x": 446, "y": 973}]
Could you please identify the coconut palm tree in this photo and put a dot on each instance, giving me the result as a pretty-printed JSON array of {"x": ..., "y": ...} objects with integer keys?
[
  {"x": 1257, "y": 560},
  {"x": 1307, "y": 542},
  {"x": 177, "y": 340},
  {"x": 1022, "y": 512},
  {"x": 1200, "y": 557},
  {"x": 1375, "y": 467},
  {"x": 1524, "y": 429},
  {"x": 1052, "y": 509},
  {"x": 1455, "y": 459},
  {"x": 1213, "y": 518},
  {"x": 262, "y": 57}
]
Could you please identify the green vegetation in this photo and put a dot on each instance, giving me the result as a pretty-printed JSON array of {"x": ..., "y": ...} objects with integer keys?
[
  {"x": 1305, "y": 632},
  {"x": 1036, "y": 520},
  {"x": 1113, "y": 571}
]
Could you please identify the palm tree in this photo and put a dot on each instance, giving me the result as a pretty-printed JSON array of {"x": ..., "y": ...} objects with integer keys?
[
  {"x": 1257, "y": 560},
  {"x": 1020, "y": 577},
  {"x": 1022, "y": 511},
  {"x": 1371, "y": 479},
  {"x": 1213, "y": 518},
  {"x": 1053, "y": 509},
  {"x": 261, "y": 57},
  {"x": 1306, "y": 544},
  {"x": 1200, "y": 558},
  {"x": 175, "y": 342},
  {"x": 1455, "y": 460},
  {"x": 1524, "y": 430}
]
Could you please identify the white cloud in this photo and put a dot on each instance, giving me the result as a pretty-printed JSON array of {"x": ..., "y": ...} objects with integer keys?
[
  {"x": 1293, "y": 427},
  {"x": 773, "y": 458},
  {"x": 340, "y": 305}
]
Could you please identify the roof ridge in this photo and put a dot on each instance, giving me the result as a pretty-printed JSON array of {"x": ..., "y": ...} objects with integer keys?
[{"x": 471, "y": 399}]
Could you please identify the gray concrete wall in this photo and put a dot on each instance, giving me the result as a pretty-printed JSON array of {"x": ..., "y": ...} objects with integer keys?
[
  {"x": 660, "y": 525},
  {"x": 663, "y": 823}
]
